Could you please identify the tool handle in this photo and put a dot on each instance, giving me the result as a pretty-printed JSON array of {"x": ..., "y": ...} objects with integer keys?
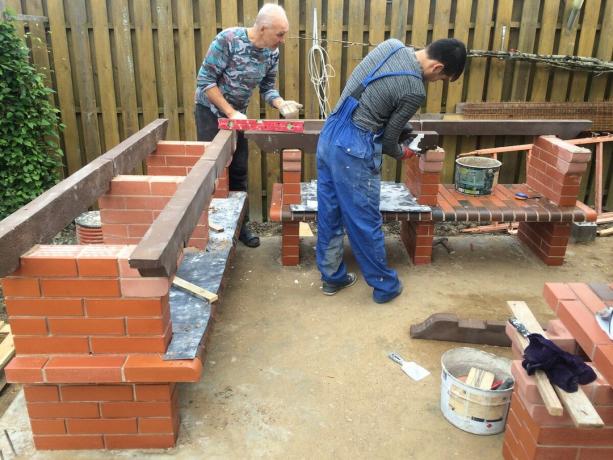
[
  {"x": 396, "y": 358},
  {"x": 519, "y": 326}
]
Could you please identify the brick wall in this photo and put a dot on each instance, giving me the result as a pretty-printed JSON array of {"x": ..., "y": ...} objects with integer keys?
[{"x": 423, "y": 175}]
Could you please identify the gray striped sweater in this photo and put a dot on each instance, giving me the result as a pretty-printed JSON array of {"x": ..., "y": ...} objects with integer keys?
[{"x": 390, "y": 102}]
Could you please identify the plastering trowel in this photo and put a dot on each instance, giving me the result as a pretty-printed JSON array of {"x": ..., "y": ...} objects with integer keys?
[{"x": 412, "y": 369}]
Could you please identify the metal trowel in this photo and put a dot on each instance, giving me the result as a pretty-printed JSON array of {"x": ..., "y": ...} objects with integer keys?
[{"x": 412, "y": 369}]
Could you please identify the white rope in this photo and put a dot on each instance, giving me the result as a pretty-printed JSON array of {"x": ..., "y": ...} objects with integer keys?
[{"x": 320, "y": 71}]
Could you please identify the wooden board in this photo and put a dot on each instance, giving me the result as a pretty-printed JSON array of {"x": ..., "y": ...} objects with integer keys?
[
  {"x": 604, "y": 50},
  {"x": 589, "y": 24},
  {"x": 38, "y": 39},
  {"x": 207, "y": 17},
  {"x": 442, "y": 11},
  {"x": 525, "y": 43},
  {"x": 334, "y": 33},
  {"x": 577, "y": 404},
  {"x": 566, "y": 46},
  {"x": 547, "y": 32},
  {"x": 146, "y": 76},
  {"x": 187, "y": 56},
  {"x": 199, "y": 292},
  {"x": 168, "y": 76}
]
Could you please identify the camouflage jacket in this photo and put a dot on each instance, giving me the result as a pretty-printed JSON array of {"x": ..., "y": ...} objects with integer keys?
[{"x": 236, "y": 66}]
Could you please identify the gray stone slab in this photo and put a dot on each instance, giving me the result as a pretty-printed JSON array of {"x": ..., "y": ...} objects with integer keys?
[
  {"x": 191, "y": 316},
  {"x": 395, "y": 197}
]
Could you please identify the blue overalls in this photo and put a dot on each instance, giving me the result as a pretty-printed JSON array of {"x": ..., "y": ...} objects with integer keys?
[{"x": 348, "y": 195}]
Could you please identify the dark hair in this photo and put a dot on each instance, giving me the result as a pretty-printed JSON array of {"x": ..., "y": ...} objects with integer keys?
[{"x": 449, "y": 52}]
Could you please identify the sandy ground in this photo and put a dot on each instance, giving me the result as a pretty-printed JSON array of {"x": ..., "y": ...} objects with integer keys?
[{"x": 291, "y": 373}]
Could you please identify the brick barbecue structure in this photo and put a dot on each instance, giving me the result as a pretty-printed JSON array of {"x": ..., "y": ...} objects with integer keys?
[{"x": 531, "y": 433}]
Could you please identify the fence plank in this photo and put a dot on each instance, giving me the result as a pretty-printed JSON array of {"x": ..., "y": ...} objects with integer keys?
[
  {"x": 168, "y": 72},
  {"x": 14, "y": 6},
  {"x": 549, "y": 20},
  {"x": 63, "y": 79},
  {"x": 125, "y": 67},
  {"x": 272, "y": 159},
  {"x": 527, "y": 35},
  {"x": 38, "y": 38},
  {"x": 586, "y": 47},
  {"x": 254, "y": 184},
  {"x": 604, "y": 51},
  {"x": 559, "y": 89},
  {"x": 398, "y": 20},
  {"x": 355, "y": 33},
  {"x": 207, "y": 18},
  {"x": 229, "y": 14},
  {"x": 145, "y": 58},
  {"x": 104, "y": 70},
  {"x": 334, "y": 33},
  {"x": 291, "y": 53},
  {"x": 187, "y": 54},
  {"x": 440, "y": 29}
]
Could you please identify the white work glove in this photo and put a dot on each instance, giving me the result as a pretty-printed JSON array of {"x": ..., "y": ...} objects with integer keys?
[
  {"x": 236, "y": 115},
  {"x": 290, "y": 109}
]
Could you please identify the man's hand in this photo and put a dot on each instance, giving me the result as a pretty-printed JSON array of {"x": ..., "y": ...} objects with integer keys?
[
  {"x": 290, "y": 109},
  {"x": 406, "y": 152},
  {"x": 236, "y": 115}
]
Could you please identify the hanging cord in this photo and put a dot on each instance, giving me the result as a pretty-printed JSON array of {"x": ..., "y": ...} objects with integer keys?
[{"x": 319, "y": 70}]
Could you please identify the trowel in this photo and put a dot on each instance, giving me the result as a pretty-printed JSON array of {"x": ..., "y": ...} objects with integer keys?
[{"x": 412, "y": 369}]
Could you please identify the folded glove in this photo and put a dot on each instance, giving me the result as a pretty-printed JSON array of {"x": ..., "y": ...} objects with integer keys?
[
  {"x": 563, "y": 369},
  {"x": 236, "y": 115},
  {"x": 290, "y": 109}
]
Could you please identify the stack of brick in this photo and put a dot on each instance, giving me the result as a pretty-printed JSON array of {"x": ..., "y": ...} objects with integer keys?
[
  {"x": 290, "y": 240},
  {"x": 132, "y": 203},
  {"x": 423, "y": 176},
  {"x": 532, "y": 433},
  {"x": 554, "y": 171}
]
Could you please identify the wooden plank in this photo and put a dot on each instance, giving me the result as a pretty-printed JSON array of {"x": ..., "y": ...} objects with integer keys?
[
  {"x": 79, "y": 35},
  {"x": 577, "y": 404},
  {"x": 604, "y": 52},
  {"x": 195, "y": 290},
  {"x": 254, "y": 181},
  {"x": 566, "y": 46},
  {"x": 355, "y": 33},
  {"x": 547, "y": 33},
  {"x": 229, "y": 14},
  {"x": 187, "y": 56},
  {"x": 480, "y": 378},
  {"x": 598, "y": 178},
  {"x": 125, "y": 67},
  {"x": 143, "y": 23},
  {"x": 589, "y": 23},
  {"x": 168, "y": 76},
  {"x": 527, "y": 36},
  {"x": 440, "y": 29},
  {"x": 14, "y": 6},
  {"x": 290, "y": 68},
  {"x": 7, "y": 346},
  {"x": 334, "y": 34},
  {"x": 63, "y": 81},
  {"x": 38, "y": 40},
  {"x": 398, "y": 20},
  {"x": 157, "y": 253},
  {"x": 104, "y": 71},
  {"x": 207, "y": 17}
]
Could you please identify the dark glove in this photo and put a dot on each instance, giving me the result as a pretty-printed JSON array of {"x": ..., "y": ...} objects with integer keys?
[
  {"x": 406, "y": 134},
  {"x": 563, "y": 369}
]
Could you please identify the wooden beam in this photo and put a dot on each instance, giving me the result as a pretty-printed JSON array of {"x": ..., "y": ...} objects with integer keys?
[
  {"x": 220, "y": 153},
  {"x": 577, "y": 404},
  {"x": 48, "y": 214},
  {"x": 158, "y": 251},
  {"x": 196, "y": 290}
]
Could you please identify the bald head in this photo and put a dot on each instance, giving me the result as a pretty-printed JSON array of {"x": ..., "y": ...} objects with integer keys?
[
  {"x": 270, "y": 27},
  {"x": 269, "y": 14}
]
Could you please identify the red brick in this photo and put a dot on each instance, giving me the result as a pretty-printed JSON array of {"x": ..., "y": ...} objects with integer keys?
[
  {"x": 45, "y": 393},
  {"x": 157, "y": 425},
  {"x": 28, "y": 326},
  {"x": 589, "y": 453},
  {"x": 140, "y": 441},
  {"x": 554, "y": 292},
  {"x": 291, "y": 177},
  {"x": 97, "y": 392},
  {"x": 170, "y": 148},
  {"x": 86, "y": 326},
  {"x": 600, "y": 392},
  {"x": 41, "y": 265},
  {"x": 603, "y": 360},
  {"x": 582, "y": 325},
  {"x": 48, "y": 426},
  {"x": 63, "y": 409},
  {"x": 587, "y": 296},
  {"x": 102, "y": 426},
  {"x": 144, "y": 287},
  {"x": 181, "y": 160},
  {"x": 147, "y": 326},
  {"x": 111, "y": 202},
  {"x": 25, "y": 369},
  {"x": 290, "y": 251},
  {"x": 126, "y": 307},
  {"x": 38, "y": 345},
  {"x": 98, "y": 267},
  {"x": 129, "y": 185},
  {"x": 165, "y": 186},
  {"x": 126, "y": 216},
  {"x": 154, "y": 392},
  {"x": 82, "y": 369},
  {"x": 195, "y": 147},
  {"x": 20, "y": 287},
  {"x": 152, "y": 368},
  {"x": 69, "y": 287},
  {"x": 290, "y": 260},
  {"x": 68, "y": 442},
  {"x": 136, "y": 409},
  {"x": 132, "y": 344}
]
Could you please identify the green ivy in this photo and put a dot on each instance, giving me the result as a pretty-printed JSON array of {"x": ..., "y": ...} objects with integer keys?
[{"x": 30, "y": 158}]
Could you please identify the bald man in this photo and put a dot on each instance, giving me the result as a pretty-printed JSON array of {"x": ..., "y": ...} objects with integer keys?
[{"x": 239, "y": 60}]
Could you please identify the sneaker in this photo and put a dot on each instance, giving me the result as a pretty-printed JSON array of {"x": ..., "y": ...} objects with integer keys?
[
  {"x": 248, "y": 238},
  {"x": 332, "y": 288},
  {"x": 389, "y": 298}
]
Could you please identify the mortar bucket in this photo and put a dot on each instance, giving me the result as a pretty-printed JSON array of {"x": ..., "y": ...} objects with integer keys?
[
  {"x": 471, "y": 409},
  {"x": 476, "y": 175}
]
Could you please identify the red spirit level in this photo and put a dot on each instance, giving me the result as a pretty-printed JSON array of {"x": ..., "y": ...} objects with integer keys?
[{"x": 283, "y": 126}]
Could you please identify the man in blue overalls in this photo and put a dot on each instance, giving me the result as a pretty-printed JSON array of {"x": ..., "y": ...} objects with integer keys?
[{"x": 382, "y": 94}]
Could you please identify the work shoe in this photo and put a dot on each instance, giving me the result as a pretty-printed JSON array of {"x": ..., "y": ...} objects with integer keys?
[
  {"x": 390, "y": 297},
  {"x": 333, "y": 288},
  {"x": 248, "y": 238}
]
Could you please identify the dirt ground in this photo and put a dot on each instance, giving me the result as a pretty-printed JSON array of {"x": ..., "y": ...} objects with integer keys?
[{"x": 293, "y": 374}]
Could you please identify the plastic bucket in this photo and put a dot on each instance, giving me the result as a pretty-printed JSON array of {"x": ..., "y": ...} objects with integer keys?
[
  {"x": 472, "y": 409},
  {"x": 476, "y": 175}
]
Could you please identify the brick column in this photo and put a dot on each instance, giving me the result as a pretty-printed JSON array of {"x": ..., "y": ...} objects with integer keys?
[
  {"x": 548, "y": 240},
  {"x": 290, "y": 243},
  {"x": 292, "y": 168},
  {"x": 423, "y": 176},
  {"x": 89, "y": 332}
]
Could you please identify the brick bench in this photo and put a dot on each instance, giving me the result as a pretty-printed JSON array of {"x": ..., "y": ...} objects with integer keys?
[{"x": 554, "y": 170}]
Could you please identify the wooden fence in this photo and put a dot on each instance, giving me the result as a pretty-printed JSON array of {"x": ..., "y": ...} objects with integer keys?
[{"x": 118, "y": 64}]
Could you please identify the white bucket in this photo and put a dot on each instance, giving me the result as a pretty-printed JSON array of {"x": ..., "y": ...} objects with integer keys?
[{"x": 469, "y": 408}]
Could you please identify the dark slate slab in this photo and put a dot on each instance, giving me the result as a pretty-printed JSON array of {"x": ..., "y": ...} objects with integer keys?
[
  {"x": 603, "y": 291},
  {"x": 395, "y": 197},
  {"x": 190, "y": 315}
]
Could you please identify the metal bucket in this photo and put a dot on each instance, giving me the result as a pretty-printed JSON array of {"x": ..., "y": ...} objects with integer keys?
[
  {"x": 476, "y": 175},
  {"x": 472, "y": 409}
]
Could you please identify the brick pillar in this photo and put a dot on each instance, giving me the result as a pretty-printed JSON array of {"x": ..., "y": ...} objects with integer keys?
[
  {"x": 417, "y": 238},
  {"x": 88, "y": 333},
  {"x": 290, "y": 243},
  {"x": 548, "y": 240},
  {"x": 174, "y": 158},
  {"x": 292, "y": 169},
  {"x": 222, "y": 185},
  {"x": 555, "y": 168},
  {"x": 132, "y": 203},
  {"x": 423, "y": 176}
]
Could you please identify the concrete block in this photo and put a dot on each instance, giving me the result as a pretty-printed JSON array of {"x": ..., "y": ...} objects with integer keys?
[{"x": 583, "y": 232}]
